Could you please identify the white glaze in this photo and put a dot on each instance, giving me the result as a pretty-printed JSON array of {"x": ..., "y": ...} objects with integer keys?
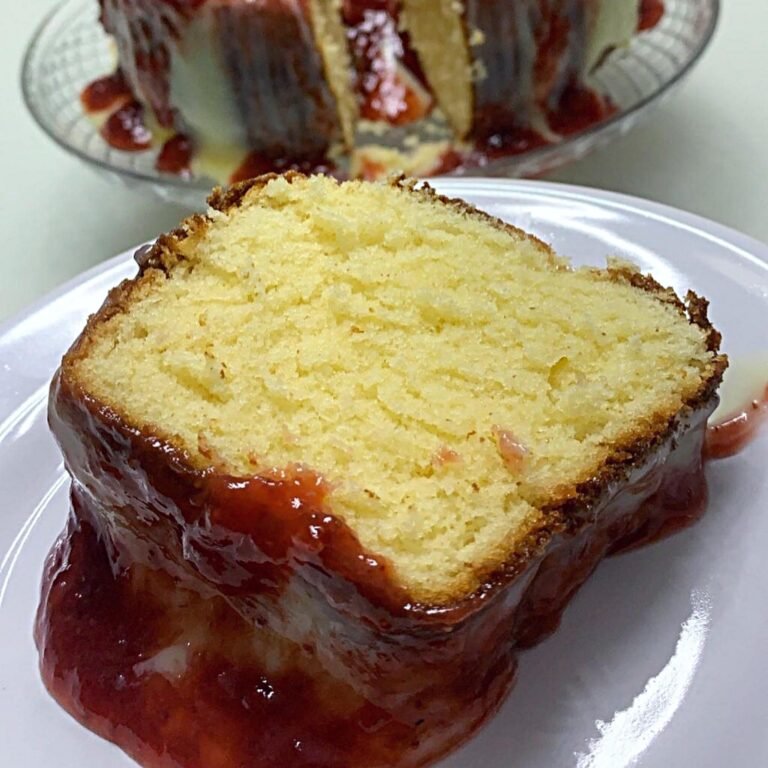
[
  {"x": 613, "y": 25},
  {"x": 171, "y": 662},
  {"x": 745, "y": 381},
  {"x": 202, "y": 90}
]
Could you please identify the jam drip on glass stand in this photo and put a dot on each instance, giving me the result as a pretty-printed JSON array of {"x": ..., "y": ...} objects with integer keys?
[
  {"x": 257, "y": 163},
  {"x": 651, "y": 14},
  {"x": 125, "y": 127},
  {"x": 175, "y": 156},
  {"x": 106, "y": 93}
]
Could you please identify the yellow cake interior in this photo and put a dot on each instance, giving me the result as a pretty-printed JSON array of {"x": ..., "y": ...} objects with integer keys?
[
  {"x": 437, "y": 34},
  {"x": 332, "y": 45},
  {"x": 446, "y": 375}
]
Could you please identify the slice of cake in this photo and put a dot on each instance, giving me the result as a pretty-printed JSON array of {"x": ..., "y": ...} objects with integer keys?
[{"x": 337, "y": 453}]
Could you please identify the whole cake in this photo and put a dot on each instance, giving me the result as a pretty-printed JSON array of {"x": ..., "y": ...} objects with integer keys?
[
  {"x": 248, "y": 86},
  {"x": 339, "y": 452}
]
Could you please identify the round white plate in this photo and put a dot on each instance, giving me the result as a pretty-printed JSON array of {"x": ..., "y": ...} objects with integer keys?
[{"x": 660, "y": 660}]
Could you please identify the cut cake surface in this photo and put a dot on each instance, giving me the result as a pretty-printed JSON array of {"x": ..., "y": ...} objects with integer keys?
[{"x": 461, "y": 390}]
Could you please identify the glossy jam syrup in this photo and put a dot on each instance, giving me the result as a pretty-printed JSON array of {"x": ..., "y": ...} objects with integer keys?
[
  {"x": 449, "y": 161},
  {"x": 106, "y": 93},
  {"x": 202, "y": 620},
  {"x": 176, "y": 678},
  {"x": 389, "y": 81},
  {"x": 169, "y": 675},
  {"x": 651, "y": 14},
  {"x": 125, "y": 129},
  {"x": 257, "y": 163},
  {"x": 515, "y": 141},
  {"x": 737, "y": 430},
  {"x": 175, "y": 156},
  {"x": 552, "y": 40},
  {"x": 580, "y": 108}
]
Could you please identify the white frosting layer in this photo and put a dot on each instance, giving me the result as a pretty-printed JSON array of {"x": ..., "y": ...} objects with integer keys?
[
  {"x": 615, "y": 22},
  {"x": 201, "y": 89},
  {"x": 744, "y": 382}
]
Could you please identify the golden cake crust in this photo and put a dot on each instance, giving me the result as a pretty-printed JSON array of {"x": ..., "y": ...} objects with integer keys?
[{"x": 565, "y": 513}]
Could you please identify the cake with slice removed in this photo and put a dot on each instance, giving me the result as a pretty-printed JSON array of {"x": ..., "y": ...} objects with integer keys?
[
  {"x": 338, "y": 452},
  {"x": 352, "y": 86}
]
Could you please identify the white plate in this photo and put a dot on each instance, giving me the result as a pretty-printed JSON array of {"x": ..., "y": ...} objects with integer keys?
[{"x": 660, "y": 660}]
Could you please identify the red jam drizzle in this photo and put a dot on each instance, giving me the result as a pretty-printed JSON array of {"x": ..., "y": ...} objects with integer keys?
[
  {"x": 175, "y": 156},
  {"x": 156, "y": 625},
  {"x": 516, "y": 141},
  {"x": 580, "y": 108},
  {"x": 651, "y": 14},
  {"x": 125, "y": 129},
  {"x": 257, "y": 163},
  {"x": 222, "y": 706},
  {"x": 285, "y": 514},
  {"x": 106, "y": 93},
  {"x": 450, "y": 160},
  {"x": 212, "y": 709},
  {"x": 735, "y": 432},
  {"x": 389, "y": 80},
  {"x": 144, "y": 36}
]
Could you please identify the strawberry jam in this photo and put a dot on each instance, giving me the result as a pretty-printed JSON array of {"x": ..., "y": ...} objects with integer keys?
[
  {"x": 651, "y": 14},
  {"x": 175, "y": 156},
  {"x": 729, "y": 436},
  {"x": 106, "y": 93},
  {"x": 389, "y": 81},
  {"x": 125, "y": 128},
  {"x": 200, "y": 620}
]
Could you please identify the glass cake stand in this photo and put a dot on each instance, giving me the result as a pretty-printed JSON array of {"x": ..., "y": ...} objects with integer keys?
[{"x": 70, "y": 49}]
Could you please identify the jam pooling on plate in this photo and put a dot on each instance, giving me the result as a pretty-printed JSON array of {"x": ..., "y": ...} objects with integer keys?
[
  {"x": 146, "y": 682},
  {"x": 389, "y": 81},
  {"x": 731, "y": 435},
  {"x": 202, "y": 620}
]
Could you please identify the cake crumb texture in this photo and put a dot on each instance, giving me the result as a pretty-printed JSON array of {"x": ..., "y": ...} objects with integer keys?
[{"x": 447, "y": 375}]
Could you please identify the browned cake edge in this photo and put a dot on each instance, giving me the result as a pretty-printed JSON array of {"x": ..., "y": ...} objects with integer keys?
[{"x": 563, "y": 514}]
